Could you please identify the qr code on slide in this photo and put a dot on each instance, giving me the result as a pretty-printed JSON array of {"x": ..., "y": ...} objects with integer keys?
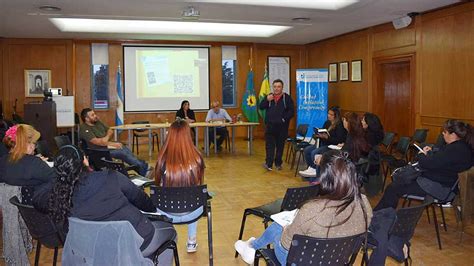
[
  {"x": 151, "y": 79},
  {"x": 183, "y": 83}
]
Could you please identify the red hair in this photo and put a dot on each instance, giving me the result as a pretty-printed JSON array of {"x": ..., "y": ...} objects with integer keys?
[
  {"x": 182, "y": 161},
  {"x": 358, "y": 143}
]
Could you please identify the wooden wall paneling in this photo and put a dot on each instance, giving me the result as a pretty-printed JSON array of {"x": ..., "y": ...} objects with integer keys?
[
  {"x": 394, "y": 38},
  {"x": 83, "y": 76}
]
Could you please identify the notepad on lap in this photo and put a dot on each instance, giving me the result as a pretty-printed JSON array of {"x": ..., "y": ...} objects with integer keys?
[
  {"x": 284, "y": 218},
  {"x": 334, "y": 147}
]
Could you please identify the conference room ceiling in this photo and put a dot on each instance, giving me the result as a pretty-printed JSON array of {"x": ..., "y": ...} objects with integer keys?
[{"x": 23, "y": 19}]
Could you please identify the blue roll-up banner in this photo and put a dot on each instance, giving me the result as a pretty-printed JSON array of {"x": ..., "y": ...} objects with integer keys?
[{"x": 312, "y": 97}]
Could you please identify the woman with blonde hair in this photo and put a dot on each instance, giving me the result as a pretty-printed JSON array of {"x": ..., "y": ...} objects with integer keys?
[
  {"x": 180, "y": 164},
  {"x": 20, "y": 167}
]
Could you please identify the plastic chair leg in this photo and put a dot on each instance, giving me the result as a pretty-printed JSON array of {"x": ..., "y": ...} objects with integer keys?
[
  {"x": 241, "y": 233},
  {"x": 176, "y": 256},
  {"x": 442, "y": 216},
  {"x": 435, "y": 221},
  {"x": 298, "y": 162},
  {"x": 38, "y": 251},
  {"x": 55, "y": 258}
]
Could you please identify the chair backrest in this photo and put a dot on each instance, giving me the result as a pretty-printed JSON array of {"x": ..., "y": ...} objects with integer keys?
[
  {"x": 440, "y": 141},
  {"x": 306, "y": 250},
  {"x": 97, "y": 157},
  {"x": 388, "y": 139},
  {"x": 40, "y": 225},
  {"x": 420, "y": 135},
  {"x": 179, "y": 199},
  {"x": 62, "y": 141},
  {"x": 294, "y": 197},
  {"x": 407, "y": 219},
  {"x": 102, "y": 243},
  {"x": 43, "y": 148},
  {"x": 403, "y": 145},
  {"x": 302, "y": 130},
  {"x": 140, "y": 122}
]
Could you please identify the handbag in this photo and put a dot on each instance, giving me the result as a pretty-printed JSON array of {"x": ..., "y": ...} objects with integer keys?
[{"x": 406, "y": 174}]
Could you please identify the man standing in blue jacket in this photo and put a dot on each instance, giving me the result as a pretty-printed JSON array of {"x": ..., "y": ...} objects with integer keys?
[{"x": 279, "y": 111}]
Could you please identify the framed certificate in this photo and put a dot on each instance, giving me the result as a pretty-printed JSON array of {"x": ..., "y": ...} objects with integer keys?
[
  {"x": 356, "y": 73},
  {"x": 344, "y": 71},
  {"x": 279, "y": 68},
  {"x": 332, "y": 72}
]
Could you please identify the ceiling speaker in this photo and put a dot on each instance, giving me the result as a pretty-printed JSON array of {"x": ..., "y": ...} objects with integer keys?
[{"x": 402, "y": 22}]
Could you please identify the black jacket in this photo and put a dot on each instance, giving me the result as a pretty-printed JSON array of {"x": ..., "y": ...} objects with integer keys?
[
  {"x": 278, "y": 113},
  {"x": 180, "y": 113},
  {"x": 374, "y": 138},
  {"x": 443, "y": 166},
  {"x": 111, "y": 196},
  {"x": 30, "y": 171},
  {"x": 336, "y": 135}
]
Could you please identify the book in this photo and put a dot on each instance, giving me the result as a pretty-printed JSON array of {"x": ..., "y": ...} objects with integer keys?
[
  {"x": 334, "y": 147},
  {"x": 321, "y": 131},
  {"x": 284, "y": 218}
]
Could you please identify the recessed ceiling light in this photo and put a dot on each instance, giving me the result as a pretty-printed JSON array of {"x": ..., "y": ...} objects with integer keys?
[
  {"x": 49, "y": 8},
  {"x": 166, "y": 27},
  {"x": 308, "y": 4},
  {"x": 300, "y": 19}
]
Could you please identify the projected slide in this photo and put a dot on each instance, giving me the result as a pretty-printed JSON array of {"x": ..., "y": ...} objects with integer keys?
[{"x": 159, "y": 78}]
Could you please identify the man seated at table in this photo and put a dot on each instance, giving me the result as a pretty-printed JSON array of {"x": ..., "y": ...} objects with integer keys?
[
  {"x": 97, "y": 135},
  {"x": 217, "y": 115}
]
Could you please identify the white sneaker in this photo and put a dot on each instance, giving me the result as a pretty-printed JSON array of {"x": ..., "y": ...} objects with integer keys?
[
  {"x": 310, "y": 172},
  {"x": 247, "y": 253},
  {"x": 191, "y": 247}
]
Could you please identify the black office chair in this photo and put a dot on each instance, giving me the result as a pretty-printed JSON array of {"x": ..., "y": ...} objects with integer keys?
[
  {"x": 62, "y": 140},
  {"x": 294, "y": 197},
  {"x": 403, "y": 228},
  {"x": 183, "y": 200},
  {"x": 398, "y": 159},
  {"x": 143, "y": 133},
  {"x": 301, "y": 132},
  {"x": 436, "y": 202},
  {"x": 41, "y": 229},
  {"x": 306, "y": 250}
]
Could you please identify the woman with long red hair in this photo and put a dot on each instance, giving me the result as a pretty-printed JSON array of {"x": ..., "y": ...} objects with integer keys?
[
  {"x": 356, "y": 142},
  {"x": 180, "y": 164}
]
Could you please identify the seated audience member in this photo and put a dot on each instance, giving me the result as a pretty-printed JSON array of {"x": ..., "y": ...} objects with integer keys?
[
  {"x": 186, "y": 113},
  {"x": 102, "y": 196},
  {"x": 373, "y": 129},
  {"x": 439, "y": 169},
  {"x": 97, "y": 135},
  {"x": 339, "y": 211},
  {"x": 180, "y": 164},
  {"x": 217, "y": 114},
  {"x": 20, "y": 167},
  {"x": 336, "y": 134},
  {"x": 356, "y": 142}
]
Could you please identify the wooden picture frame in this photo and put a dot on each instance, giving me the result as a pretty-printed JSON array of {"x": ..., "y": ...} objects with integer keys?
[
  {"x": 344, "y": 71},
  {"x": 36, "y": 82},
  {"x": 332, "y": 72},
  {"x": 356, "y": 70},
  {"x": 279, "y": 68}
]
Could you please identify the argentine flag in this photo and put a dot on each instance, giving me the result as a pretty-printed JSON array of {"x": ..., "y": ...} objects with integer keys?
[{"x": 119, "y": 110}]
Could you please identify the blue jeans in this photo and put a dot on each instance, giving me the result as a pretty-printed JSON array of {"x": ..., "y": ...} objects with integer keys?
[
  {"x": 272, "y": 235},
  {"x": 185, "y": 217},
  {"x": 127, "y": 156},
  {"x": 311, "y": 151}
]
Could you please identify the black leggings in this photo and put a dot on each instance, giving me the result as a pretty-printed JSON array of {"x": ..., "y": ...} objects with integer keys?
[{"x": 395, "y": 191}]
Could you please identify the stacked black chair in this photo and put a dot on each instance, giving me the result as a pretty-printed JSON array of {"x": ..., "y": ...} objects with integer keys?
[
  {"x": 391, "y": 161},
  {"x": 294, "y": 197},
  {"x": 301, "y": 132},
  {"x": 184, "y": 200},
  {"x": 41, "y": 228},
  {"x": 436, "y": 202},
  {"x": 306, "y": 250},
  {"x": 62, "y": 140},
  {"x": 403, "y": 228},
  {"x": 140, "y": 133}
]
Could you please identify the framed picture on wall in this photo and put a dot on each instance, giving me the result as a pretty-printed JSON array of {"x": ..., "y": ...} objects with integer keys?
[
  {"x": 356, "y": 73},
  {"x": 36, "y": 81},
  {"x": 344, "y": 71},
  {"x": 279, "y": 68},
  {"x": 332, "y": 72}
]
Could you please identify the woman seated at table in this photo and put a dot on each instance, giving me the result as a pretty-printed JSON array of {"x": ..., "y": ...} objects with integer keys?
[
  {"x": 20, "y": 167},
  {"x": 180, "y": 164},
  {"x": 102, "y": 196},
  {"x": 439, "y": 169},
  {"x": 340, "y": 210},
  {"x": 336, "y": 134},
  {"x": 373, "y": 129},
  {"x": 186, "y": 113}
]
